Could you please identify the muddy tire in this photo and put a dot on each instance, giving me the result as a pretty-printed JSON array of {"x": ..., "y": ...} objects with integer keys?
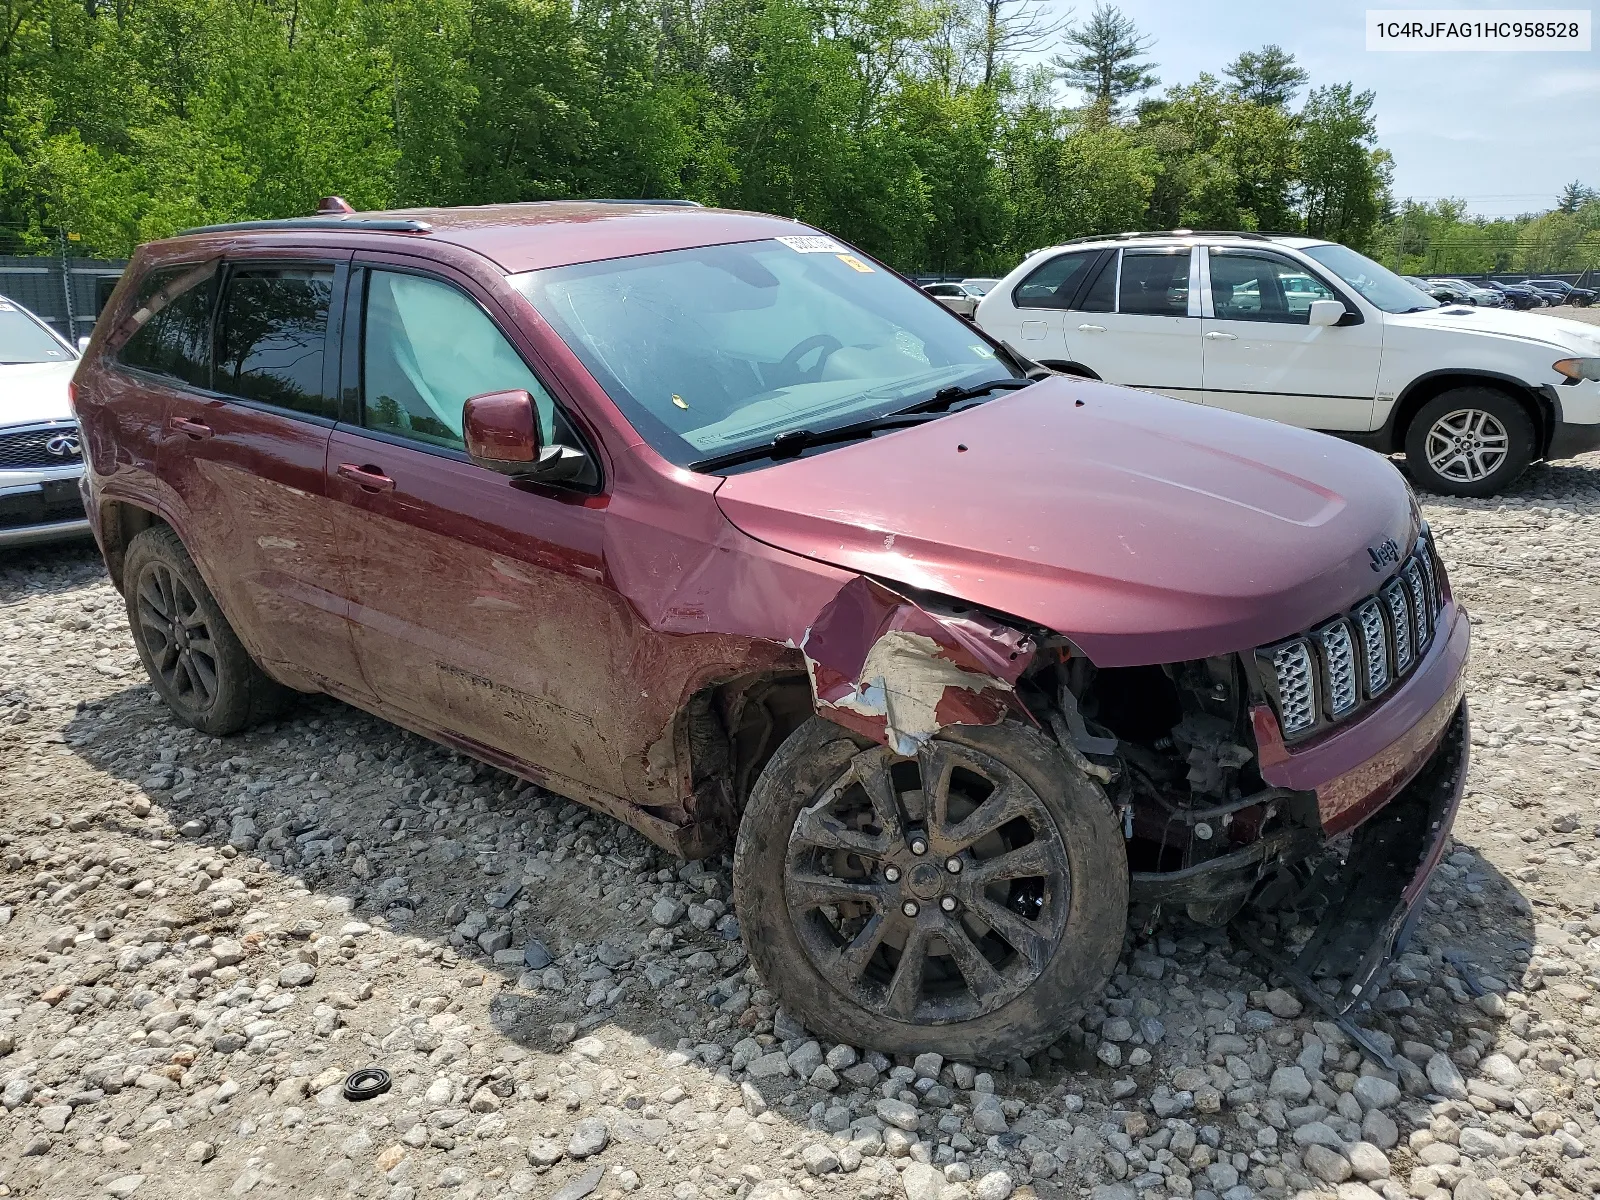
[
  {"x": 1469, "y": 441},
  {"x": 968, "y": 901},
  {"x": 192, "y": 655}
]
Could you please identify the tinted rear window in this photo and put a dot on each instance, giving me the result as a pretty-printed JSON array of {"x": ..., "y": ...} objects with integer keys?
[
  {"x": 272, "y": 334},
  {"x": 172, "y": 325}
]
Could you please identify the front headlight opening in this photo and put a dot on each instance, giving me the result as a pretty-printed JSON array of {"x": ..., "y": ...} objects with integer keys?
[{"x": 1576, "y": 369}]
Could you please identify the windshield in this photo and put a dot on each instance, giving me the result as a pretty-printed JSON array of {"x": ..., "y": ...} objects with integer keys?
[
  {"x": 1378, "y": 285},
  {"x": 24, "y": 340},
  {"x": 719, "y": 348}
]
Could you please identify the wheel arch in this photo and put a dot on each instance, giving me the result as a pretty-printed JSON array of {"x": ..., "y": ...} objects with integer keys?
[
  {"x": 120, "y": 521},
  {"x": 1435, "y": 383}
]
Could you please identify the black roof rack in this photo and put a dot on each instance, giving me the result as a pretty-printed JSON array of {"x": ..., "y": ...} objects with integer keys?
[
  {"x": 364, "y": 224},
  {"x": 1163, "y": 233}
]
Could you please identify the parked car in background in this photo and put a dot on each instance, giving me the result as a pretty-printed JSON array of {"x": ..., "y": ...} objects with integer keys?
[
  {"x": 1551, "y": 296},
  {"x": 979, "y": 287},
  {"x": 960, "y": 298},
  {"x": 1314, "y": 334},
  {"x": 1515, "y": 295},
  {"x": 1580, "y": 297},
  {"x": 705, "y": 520},
  {"x": 1473, "y": 293},
  {"x": 40, "y": 455}
]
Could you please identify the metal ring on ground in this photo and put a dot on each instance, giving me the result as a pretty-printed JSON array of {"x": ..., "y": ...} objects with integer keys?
[{"x": 366, "y": 1083}]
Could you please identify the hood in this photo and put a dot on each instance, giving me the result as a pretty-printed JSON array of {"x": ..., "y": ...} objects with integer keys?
[
  {"x": 1560, "y": 332},
  {"x": 32, "y": 392},
  {"x": 1146, "y": 529}
]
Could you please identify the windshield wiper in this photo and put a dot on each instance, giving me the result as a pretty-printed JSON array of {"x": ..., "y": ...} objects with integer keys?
[
  {"x": 792, "y": 442},
  {"x": 941, "y": 400}
]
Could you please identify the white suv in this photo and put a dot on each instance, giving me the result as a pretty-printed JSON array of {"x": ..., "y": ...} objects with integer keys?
[
  {"x": 41, "y": 460},
  {"x": 1313, "y": 334}
]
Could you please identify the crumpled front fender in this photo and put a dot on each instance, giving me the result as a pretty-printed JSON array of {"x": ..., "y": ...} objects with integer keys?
[{"x": 897, "y": 671}]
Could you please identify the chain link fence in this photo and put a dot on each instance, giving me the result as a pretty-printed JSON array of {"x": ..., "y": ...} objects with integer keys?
[{"x": 56, "y": 279}]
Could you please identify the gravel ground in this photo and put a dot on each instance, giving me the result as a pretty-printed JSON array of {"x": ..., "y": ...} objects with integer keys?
[{"x": 200, "y": 938}]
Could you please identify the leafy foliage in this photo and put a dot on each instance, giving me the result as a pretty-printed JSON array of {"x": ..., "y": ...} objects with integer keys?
[{"x": 905, "y": 126}]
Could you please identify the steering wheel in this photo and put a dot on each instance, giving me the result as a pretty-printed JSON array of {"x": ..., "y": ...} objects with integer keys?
[{"x": 790, "y": 365}]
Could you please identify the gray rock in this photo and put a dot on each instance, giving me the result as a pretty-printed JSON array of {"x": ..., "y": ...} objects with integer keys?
[
  {"x": 536, "y": 958},
  {"x": 1281, "y": 1003},
  {"x": 297, "y": 975},
  {"x": 1117, "y": 1029},
  {"x": 1469, "y": 1187},
  {"x": 542, "y": 1152},
  {"x": 996, "y": 1185},
  {"x": 1318, "y": 1133},
  {"x": 819, "y": 1159},
  {"x": 1375, "y": 1092},
  {"x": 1290, "y": 1083},
  {"x": 1367, "y": 1161},
  {"x": 667, "y": 911},
  {"x": 580, "y": 1187},
  {"x": 1480, "y": 1143},
  {"x": 921, "y": 1182},
  {"x": 841, "y": 1057},
  {"x": 987, "y": 1115},
  {"x": 898, "y": 1113},
  {"x": 1327, "y": 1165},
  {"x": 1378, "y": 1127},
  {"x": 927, "y": 1066},
  {"x": 769, "y": 1066},
  {"x": 1445, "y": 1079},
  {"x": 124, "y": 1186},
  {"x": 588, "y": 1138},
  {"x": 805, "y": 1060}
]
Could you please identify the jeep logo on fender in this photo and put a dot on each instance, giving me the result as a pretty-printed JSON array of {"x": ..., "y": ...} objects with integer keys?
[{"x": 1386, "y": 551}]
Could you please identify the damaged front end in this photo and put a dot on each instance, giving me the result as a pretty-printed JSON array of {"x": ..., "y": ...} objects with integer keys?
[{"x": 1319, "y": 850}]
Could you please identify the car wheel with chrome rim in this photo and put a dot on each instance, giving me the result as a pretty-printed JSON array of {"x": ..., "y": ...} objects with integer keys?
[{"x": 1469, "y": 441}]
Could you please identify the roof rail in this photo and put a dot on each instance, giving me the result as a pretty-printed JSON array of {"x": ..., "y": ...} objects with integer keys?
[
  {"x": 1131, "y": 234},
  {"x": 361, "y": 224},
  {"x": 625, "y": 200}
]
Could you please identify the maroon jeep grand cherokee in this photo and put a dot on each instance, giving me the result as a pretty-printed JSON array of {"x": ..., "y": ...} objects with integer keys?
[{"x": 715, "y": 524}]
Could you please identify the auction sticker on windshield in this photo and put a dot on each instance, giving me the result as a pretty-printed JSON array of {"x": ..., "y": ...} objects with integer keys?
[{"x": 813, "y": 244}]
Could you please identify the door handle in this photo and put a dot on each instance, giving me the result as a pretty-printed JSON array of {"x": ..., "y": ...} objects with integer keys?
[
  {"x": 1218, "y": 336},
  {"x": 1091, "y": 328},
  {"x": 368, "y": 478},
  {"x": 190, "y": 427}
]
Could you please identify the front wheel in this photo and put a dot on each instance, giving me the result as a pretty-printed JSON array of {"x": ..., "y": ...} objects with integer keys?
[
  {"x": 969, "y": 900},
  {"x": 1469, "y": 441}
]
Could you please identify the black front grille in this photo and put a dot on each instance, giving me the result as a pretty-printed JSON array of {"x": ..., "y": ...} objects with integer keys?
[
  {"x": 52, "y": 446},
  {"x": 48, "y": 504}
]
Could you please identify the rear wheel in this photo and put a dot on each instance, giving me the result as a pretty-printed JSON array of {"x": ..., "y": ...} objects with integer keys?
[
  {"x": 1469, "y": 441},
  {"x": 192, "y": 655},
  {"x": 969, "y": 900}
]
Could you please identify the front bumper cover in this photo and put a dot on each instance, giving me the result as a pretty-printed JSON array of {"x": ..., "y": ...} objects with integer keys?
[{"x": 1332, "y": 929}]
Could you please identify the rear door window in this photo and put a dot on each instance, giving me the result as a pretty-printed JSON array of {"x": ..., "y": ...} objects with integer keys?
[
  {"x": 1055, "y": 283},
  {"x": 171, "y": 325},
  {"x": 272, "y": 333},
  {"x": 1154, "y": 283}
]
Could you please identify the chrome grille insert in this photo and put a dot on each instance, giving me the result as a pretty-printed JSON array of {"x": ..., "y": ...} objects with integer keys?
[
  {"x": 1420, "y": 608},
  {"x": 1394, "y": 598},
  {"x": 1339, "y": 660},
  {"x": 1296, "y": 687},
  {"x": 1374, "y": 646}
]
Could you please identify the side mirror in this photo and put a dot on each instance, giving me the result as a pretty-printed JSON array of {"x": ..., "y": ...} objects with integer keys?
[
  {"x": 502, "y": 433},
  {"x": 1325, "y": 312}
]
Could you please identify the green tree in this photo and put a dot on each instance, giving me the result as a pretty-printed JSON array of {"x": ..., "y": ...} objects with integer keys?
[
  {"x": 1267, "y": 76},
  {"x": 1106, "y": 57},
  {"x": 1344, "y": 177}
]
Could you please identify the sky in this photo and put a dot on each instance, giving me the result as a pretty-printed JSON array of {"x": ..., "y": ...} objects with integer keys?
[{"x": 1502, "y": 131}]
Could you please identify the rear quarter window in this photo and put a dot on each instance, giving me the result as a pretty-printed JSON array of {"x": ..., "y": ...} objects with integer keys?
[{"x": 169, "y": 331}]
